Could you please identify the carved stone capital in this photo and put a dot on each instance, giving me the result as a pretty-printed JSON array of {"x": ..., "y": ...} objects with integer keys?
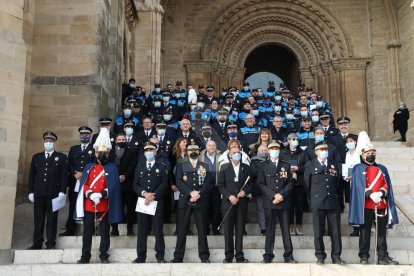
[
  {"x": 200, "y": 66},
  {"x": 149, "y": 6},
  {"x": 394, "y": 43},
  {"x": 354, "y": 64}
]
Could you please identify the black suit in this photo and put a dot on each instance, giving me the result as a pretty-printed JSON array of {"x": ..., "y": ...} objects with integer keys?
[
  {"x": 322, "y": 188},
  {"x": 47, "y": 178},
  {"x": 274, "y": 180},
  {"x": 152, "y": 181},
  {"x": 77, "y": 159},
  {"x": 188, "y": 180},
  {"x": 228, "y": 186},
  {"x": 142, "y": 135},
  {"x": 126, "y": 167}
]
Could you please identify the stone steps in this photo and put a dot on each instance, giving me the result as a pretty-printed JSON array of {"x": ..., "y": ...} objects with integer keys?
[
  {"x": 249, "y": 242},
  {"x": 196, "y": 269},
  {"x": 70, "y": 256}
]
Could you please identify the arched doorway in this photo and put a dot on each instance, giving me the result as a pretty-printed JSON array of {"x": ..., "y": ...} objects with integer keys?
[{"x": 276, "y": 60}]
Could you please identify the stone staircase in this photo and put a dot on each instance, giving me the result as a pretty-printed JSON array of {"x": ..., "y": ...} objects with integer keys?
[{"x": 400, "y": 163}]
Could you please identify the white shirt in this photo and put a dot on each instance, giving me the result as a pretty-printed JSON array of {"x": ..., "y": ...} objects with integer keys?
[
  {"x": 323, "y": 162},
  {"x": 211, "y": 157},
  {"x": 236, "y": 169},
  {"x": 192, "y": 96},
  {"x": 352, "y": 158},
  {"x": 276, "y": 162},
  {"x": 150, "y": 162},
  {"x": 50, "y": 153}
]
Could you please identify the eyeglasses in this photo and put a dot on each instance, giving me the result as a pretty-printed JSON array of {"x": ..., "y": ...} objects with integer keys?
[
  {"x": 277, "y": 121},
  {"x": 294, "y": 139}
]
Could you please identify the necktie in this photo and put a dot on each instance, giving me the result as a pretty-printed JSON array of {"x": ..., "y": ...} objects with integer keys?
[
  {"x": 149, "y": 166},
  {"x": 83, "y": 148},
  {"x": 47, "y": 156},
  {"x": 325, "y": 128},
  {"x": 275, "y": 164},
  {"x": 323, "y": 166},
  {"x": 222, "y": 126},
  {"x": 161, "y": 140},
  {"x": 128, "y": 140},
  {"x": 147, "y": 132},
  {"x": 185, "y": 136}
]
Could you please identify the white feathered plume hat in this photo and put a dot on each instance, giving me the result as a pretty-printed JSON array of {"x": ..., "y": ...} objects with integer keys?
[
  {"x": 103, "y": 141},
  {"x": 364, "y": 143}
]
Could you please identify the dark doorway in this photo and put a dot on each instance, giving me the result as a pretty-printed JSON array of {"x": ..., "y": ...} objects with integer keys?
[{"x": 274, "y": 59}]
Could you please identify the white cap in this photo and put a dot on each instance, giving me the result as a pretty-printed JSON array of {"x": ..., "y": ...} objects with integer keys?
[
  {"x": 103, "y": 141},
  {"x": 364, "y": 143}
]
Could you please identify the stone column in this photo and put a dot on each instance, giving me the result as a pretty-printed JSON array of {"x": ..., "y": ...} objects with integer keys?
[
  {"x": 199, "y": 72},
  {"x": 307, "y": 78},
  {"x": 148, "y": 43},
  {"x": 12, "y": 78}
]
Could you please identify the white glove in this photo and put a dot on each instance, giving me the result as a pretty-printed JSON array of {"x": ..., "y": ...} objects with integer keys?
[
  {"x": 61, "y": 194},
  {"x": 376, "y": 197},
  {"x": 95, "y": 195},
  {"x": 96, "y": 200},
  {"x": 31, "y": 197}
]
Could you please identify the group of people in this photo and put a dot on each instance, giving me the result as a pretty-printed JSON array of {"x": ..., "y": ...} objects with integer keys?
[{"x": 204, "y": 156}]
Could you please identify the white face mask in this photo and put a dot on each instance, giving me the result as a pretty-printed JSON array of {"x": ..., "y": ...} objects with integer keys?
[
  {"x": 127, "y": 112},
  {"x": 48, "y": 146},
  {"x": 157, "y": 89}
]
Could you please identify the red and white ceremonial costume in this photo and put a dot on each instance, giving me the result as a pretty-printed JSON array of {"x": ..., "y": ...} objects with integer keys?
[
  {"x": 96, "y": 183},
  {"x": 375, "y": 182}
]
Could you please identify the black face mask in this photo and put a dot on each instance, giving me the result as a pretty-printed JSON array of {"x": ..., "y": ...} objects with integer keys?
[
  {"x": 194, "y": 155},
  {"x": 102, "y": 159},
  {"x": 121, "y": 145},
  {"x": 370, "y": 159},
  {"x": 198, "y": 115},
  {"x": 207, "y": 134}
]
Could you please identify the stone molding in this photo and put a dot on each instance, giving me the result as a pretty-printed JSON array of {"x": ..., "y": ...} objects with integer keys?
[
  {"x": 130, "y": 13},
  {"x": 65, "y": 80},
  {"x": 149, "y": 6}
]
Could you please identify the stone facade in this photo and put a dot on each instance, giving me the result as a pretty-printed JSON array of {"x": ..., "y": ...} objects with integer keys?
[{"x": 62, "y": 62}]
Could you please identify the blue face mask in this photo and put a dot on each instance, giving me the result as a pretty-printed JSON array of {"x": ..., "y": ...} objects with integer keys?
[
  {"x": 48, "y": 146},
  {"x": 294, "y": 143},
  {"x": 319, "y": 104},
  {"x": 278, "y": 98},
  {"x": 350, "y": 145},
  {"x": 289, "y": 116},
  {"x": 167, "y": 117},
  {"x": 278, "y": 108},
  {"x": 177, "y": 95},
  {"x": 255, "y": 113},
  {"x": 127, "y": 112},
  {"x": 161, "y": 132},
  {"x": 323, "y": 155},
  {"x": 274, "y": 154},
  {"x": 233, "y": 134},
  {"x": 304, "y": 113},
  {"x": 129, "y": 131},
  {"x": 166, "y": 99},
  {"x": 157, "y": 104},
  {"x": 149, "y": 155},
  {"x": 237, "y": 156},
  {"x": 315, "y": 119},
  {"x": 319, "y": 138}
]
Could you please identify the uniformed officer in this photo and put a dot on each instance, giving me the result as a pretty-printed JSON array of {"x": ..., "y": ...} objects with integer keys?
[
  {"x": 231, "y": 179},
  {"x": 78, "y": 157},
  {"x": 107, "y": 123},
  {"x": 151, "y": 183},
  {"x": 321, "y": 183},
  {"x": 275, "y": 181},
  {"x": 47, "y": 180},
  {"x": 194, "y": 182}
]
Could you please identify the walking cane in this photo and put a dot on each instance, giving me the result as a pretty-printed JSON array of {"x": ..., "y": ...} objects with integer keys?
[
  {"x": 228, "y": 211},
  {"x": 376, "y": 234},
  {"x": 96, "y": 236}
]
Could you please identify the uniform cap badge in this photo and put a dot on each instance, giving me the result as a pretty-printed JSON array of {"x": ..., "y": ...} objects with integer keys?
[{"x": 185, "y": 178}]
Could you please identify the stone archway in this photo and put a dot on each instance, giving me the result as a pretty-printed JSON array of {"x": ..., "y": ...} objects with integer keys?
[{"x": 308, "y": 30}]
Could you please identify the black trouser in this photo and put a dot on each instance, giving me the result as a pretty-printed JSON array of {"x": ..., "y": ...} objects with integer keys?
[
  {"x": 365, "y": 234},
  {"x": 89, "y": 230},
  {"x": 282, "y": 215},
  {"x": 334, "y": 229},
  {"x": 168, "y": 201},
  {"x": 42, "y": 210},
  {"x": 183, "y": 223},
  {"x": 145, "y": 222},
  {"x": 214, "y": 211},
  {"x": 235, "y": 221},
  {"x": 70, "y": 223},
  {"x": 299, "y": 198},
  {"x": 403, "y": 133}
]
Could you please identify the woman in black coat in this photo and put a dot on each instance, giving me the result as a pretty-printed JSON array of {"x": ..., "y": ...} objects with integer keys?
[{"x": 400, "y": 121}]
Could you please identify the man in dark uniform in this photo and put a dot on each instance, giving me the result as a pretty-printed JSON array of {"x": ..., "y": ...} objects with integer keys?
[
  {"x": 147, "y": 131},
  {"x": 78, "y": 157},
  {"x": 231, "y": 178},
  {"x": 47, "y": 180},
  {"x": 105, "y": 122},
  {"x": 275, "y": 181},
  {"x": 220, "y": 128},
  {"x": 194, "y": 182},
  {"x": 321, "y": 183},
  {"x": 151, "y": 183}
]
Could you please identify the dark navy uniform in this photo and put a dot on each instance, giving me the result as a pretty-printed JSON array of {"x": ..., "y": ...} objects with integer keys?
[
  {"x": 321, "y": 186},
  {"x": 47, "y": 178},
  {"x": 77, "y": 160},
  {"x": 188, "y": 179},
  {"x": 276, "y": 179},
  {"x": 155, "y": 181}
]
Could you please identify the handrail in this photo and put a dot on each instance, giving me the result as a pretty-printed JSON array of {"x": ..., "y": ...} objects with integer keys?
[{"x": 404, "y": 210}]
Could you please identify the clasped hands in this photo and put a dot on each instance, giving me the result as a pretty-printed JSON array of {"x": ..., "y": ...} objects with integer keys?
[
  {"x": 277, "y": 199},
  {"x": 194, "y": 196},
  {"x": 96, "y": 198},
  {"x": 234, "y": 200},
  {"x": 149, "y": 197}
]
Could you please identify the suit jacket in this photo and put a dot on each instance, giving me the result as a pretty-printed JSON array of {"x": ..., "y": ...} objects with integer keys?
[
  {"x": 47, "y": 178},
  {"x": 322, "y": 187},
  {"x": 188, "y": 180},
  {"x": 77, "y": 161},
  {"x": 153, "y": 181},
  {"x": 275, "y": 180},
  {"x": 228, "y": 186},
  {"x": 126, "y": 166},
  {"x": 142, "y": 137}
]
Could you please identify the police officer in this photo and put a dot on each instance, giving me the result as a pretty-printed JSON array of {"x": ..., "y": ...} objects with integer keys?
[
  {"x": 47, "y": 180},
  {"x": 275, "y": 181},
  {"x": 78, "y": 157},
  {"x": 151, "y": 183},
  {"x": 107, "y": 123},
  {"x": 321, "y": 180},
  {"x": 194, "y": 182},
  {"x": 231, "y": 179}
]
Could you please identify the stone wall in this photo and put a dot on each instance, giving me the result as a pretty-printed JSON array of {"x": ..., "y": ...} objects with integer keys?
[{"x": 12, "y": 78}]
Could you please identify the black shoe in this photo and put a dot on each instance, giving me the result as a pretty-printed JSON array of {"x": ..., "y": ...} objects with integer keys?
[
  {"x": 266, "y": 261},
  {"x": 320, "y": 262},
  {"x": 355, "y": 233},
  {"x": 338, "y": 261},
  {"x": 130, "y": 233},
  {"x": 364, "y": 261},
  {"x": 242, "y": 260},
  {"x": 205, "y": 261},
  {"x": 67, "y": 233},
  {"x": 387, "y": 261},
  {"x": 263, "y": 232},
  {"x": 34, "y": 247},
  {"x": 138, "y": 261},
  {"x": 227, "y": 261},
  {"x": 175, "y": 261},
  {"x": 115, "y": 232},
  {"x": 291, "y": 261},
  {"x": 104, "y": 261},
  {"x": 82, "y": 261},
  {"x": 161, "y": 261}
]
